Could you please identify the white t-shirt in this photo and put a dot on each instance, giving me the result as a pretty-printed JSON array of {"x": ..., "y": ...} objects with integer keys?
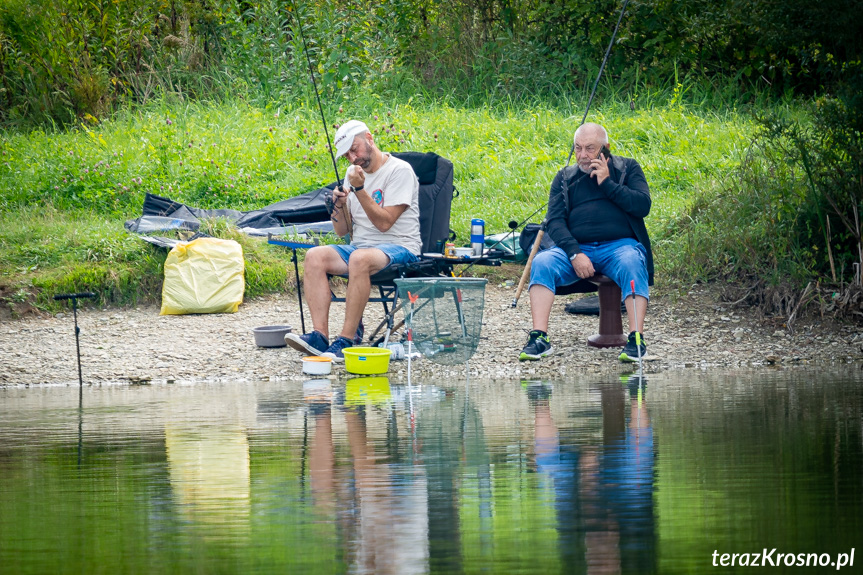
[{"x": 393, "y": 184}]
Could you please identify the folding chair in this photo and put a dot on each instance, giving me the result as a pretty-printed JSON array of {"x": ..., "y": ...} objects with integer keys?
[{"x": 436, "y": 192}]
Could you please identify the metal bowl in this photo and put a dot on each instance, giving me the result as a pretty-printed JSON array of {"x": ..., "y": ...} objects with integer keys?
[{"x": 271, "y": 335}]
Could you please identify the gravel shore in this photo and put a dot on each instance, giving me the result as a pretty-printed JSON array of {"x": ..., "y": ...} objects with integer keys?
[{"x": 691, "y": 329}]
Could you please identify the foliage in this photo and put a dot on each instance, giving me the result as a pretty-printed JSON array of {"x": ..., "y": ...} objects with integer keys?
[
  {"x": 754, "y": 227},
  {"x": 548, "y": 47},
  {"x": 62, "y": 61},
  {"x": 791, "y": 212},
  {"x": 830, "y": 153},
  {"x": 67, "y": 60}
]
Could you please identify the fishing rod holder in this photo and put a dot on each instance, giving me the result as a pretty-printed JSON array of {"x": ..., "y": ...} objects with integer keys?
[{"x": 75, "y": 297}]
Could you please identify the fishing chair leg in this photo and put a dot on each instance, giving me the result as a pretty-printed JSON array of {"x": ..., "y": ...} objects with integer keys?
[
  {"x": 299, "y": 288},
  {"x": 389, "y": 316}
]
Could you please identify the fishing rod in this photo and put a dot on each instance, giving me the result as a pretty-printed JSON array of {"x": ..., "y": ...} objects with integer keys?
[
  {"x": 328, "y": 199},
  {"x": 541, "y": 232},
  {"x": 599, "y": 75}
]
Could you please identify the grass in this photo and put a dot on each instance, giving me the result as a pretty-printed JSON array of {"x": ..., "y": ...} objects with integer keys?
[{"x": 64, "y": 194}]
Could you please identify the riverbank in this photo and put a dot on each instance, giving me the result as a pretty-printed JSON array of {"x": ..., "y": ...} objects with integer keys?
[{"x": 691, "y": 329}]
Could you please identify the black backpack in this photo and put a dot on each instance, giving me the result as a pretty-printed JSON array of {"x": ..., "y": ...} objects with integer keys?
[{"x": 528, "y": 237}]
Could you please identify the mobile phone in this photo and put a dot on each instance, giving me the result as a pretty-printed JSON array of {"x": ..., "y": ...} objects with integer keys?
[{"x": 604, "y": 152}]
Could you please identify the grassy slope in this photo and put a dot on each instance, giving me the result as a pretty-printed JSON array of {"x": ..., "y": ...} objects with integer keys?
[{"x": 65, "y": 195}]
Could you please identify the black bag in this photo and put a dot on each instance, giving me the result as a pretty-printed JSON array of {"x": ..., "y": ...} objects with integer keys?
[{"x": 528, "y": 237}]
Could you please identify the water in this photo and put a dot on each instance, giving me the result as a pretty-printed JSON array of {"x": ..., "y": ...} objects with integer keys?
[{"x": 570, "y": 476}]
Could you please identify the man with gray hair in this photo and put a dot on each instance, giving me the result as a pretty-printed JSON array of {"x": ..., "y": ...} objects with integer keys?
[
  {"x": 595, "y": 218},
  {"x": 378, "y": 205}
]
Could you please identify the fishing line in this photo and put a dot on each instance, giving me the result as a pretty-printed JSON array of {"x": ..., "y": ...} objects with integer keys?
[
  {"x": 539, "y": 235},
  {"x": 318, "y": 96},
  {"x": 512, "y": 224}
]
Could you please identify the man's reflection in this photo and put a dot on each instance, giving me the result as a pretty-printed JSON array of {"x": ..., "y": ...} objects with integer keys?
[
  {"x": 322, "y": 455},
  {"x": 603, "y": 493},
  {"x": 627, "y": 476},
  {"x": 381, "y": 504}
]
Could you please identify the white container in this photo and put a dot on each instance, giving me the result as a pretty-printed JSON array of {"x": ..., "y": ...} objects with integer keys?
[
  {"x": 463, "y": 252},
  {"x": 317, "y": 365}
]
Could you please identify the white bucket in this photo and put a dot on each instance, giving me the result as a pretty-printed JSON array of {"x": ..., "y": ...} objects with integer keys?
[{"x": 317, "y": 365}]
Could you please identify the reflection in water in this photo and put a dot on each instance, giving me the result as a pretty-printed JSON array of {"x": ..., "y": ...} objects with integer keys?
[
  {"x": 207, "y": 452},
  {"x": 603, "y": 493},
  {"x": 371, "y": 476},
  {"x": 382, "y": 504},
  {"x": 209, "y": 474}
]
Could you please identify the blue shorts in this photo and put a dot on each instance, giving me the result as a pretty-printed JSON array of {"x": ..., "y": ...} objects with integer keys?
[
  {"x": 621, "y": 260},
  {"x": 396, "y": 254}
]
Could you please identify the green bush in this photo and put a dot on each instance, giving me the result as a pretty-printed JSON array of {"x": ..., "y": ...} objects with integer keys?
[{"x": 790, "y": 214}]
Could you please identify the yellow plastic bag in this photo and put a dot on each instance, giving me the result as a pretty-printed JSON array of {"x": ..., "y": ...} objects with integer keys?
[{"x": 203, "y": 276}]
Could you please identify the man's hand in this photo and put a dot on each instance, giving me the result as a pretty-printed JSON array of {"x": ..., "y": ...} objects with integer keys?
[
  {"x": 583, "y": 266},
  {"x": 599, "y": 168},
  {"x": 353, "y": 177},
  {"x": 356, "y": 176},
  {"x": 339, "y": 196}
]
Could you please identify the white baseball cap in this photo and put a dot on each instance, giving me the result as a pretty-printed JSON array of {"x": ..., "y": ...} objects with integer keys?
[{"x": 345, "y": 136}]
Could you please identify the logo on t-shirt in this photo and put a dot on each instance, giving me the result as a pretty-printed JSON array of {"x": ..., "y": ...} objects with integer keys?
[{"x": 378, "y": 197}]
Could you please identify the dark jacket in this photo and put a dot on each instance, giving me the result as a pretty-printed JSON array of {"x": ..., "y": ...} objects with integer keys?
[{"x": 626, "y": 186}]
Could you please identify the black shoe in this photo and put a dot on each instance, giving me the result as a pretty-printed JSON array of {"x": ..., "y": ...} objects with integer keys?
[
  {"x": 536, "y": 390},
  {"x": 634, "y": 383},
  {"x": 631, "y": 351},
  {"x": 537, "y": 347}
]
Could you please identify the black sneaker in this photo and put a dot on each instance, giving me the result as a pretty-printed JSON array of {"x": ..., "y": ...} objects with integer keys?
[
  {"x": 334, "y": 352},
  {"x": 313, "y": 343},
  {"x": 631, "y": 351},
  {"x": 537, "y": 347}
]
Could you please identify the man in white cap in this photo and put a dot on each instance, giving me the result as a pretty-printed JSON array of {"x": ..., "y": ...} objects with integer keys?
[{"x": 380, "y": 202}]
